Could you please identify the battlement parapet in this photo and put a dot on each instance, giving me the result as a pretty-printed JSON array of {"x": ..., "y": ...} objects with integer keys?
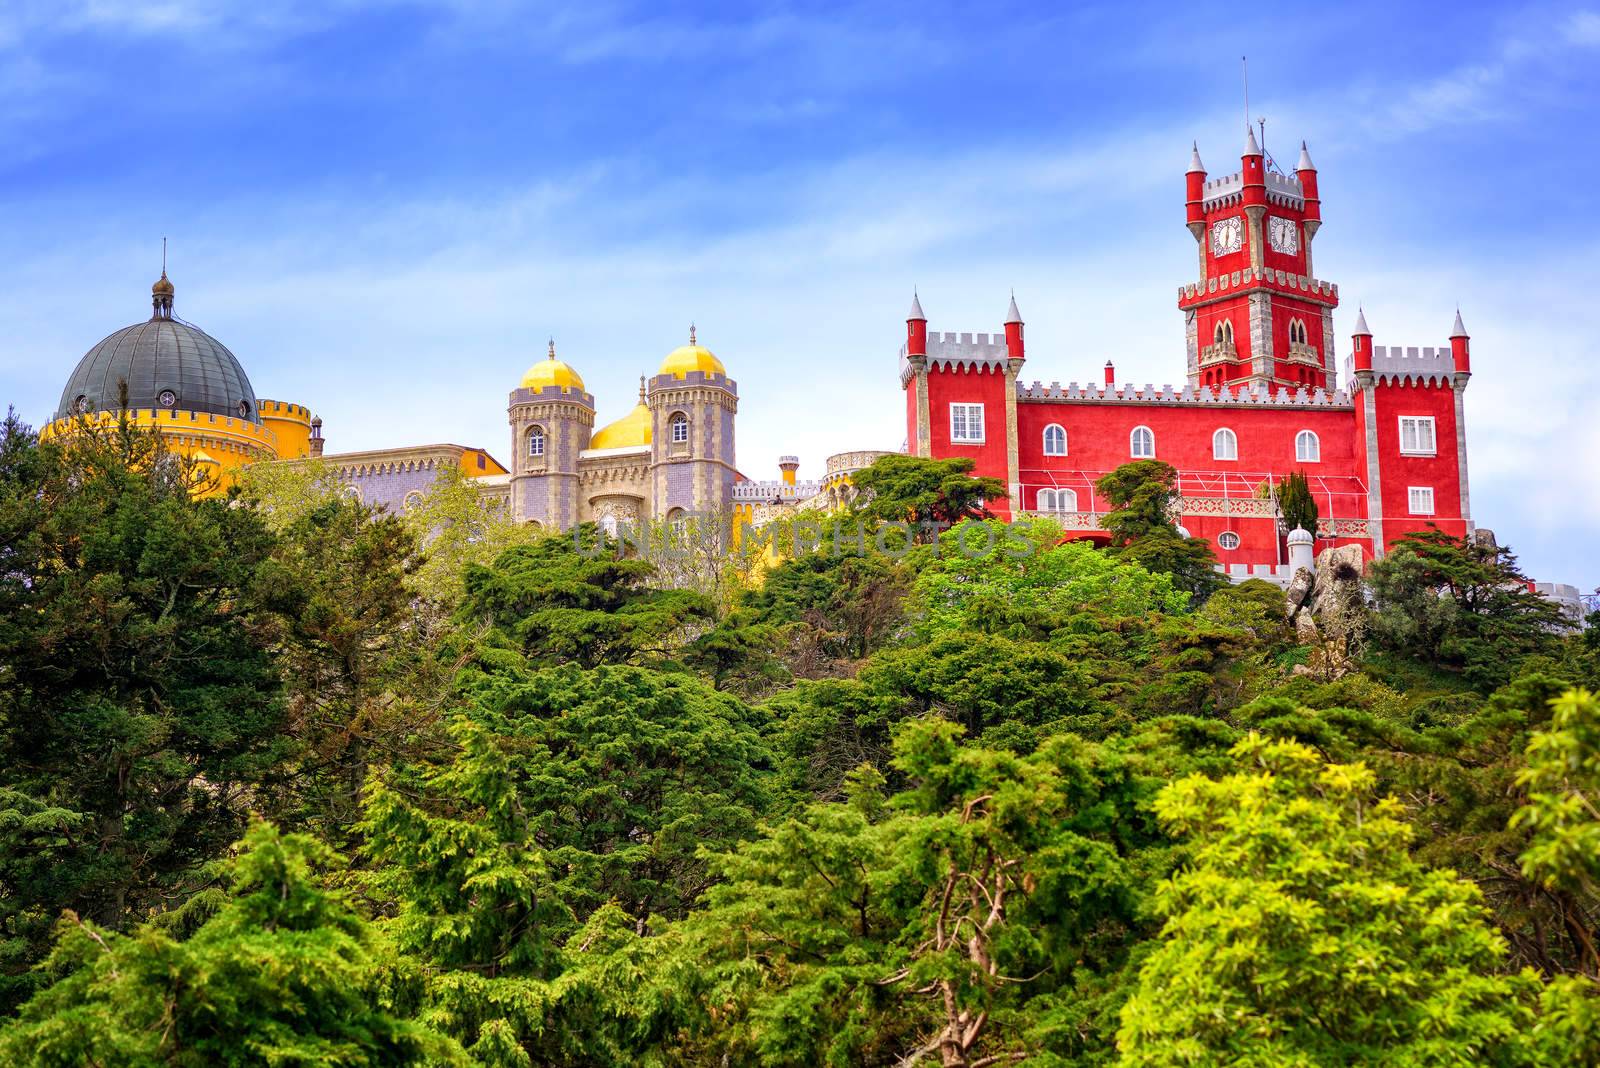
[
  {"x": 774, "y": 491},
  {"x": 282, "y": 409},
  {"x": 959, "y": 352},
  {"x": 692, "y": 379},
  {"x": 1243, "y": 396},
  {"x": 1228, "y": 190},
  {"x": 1291, "y": 284},
  {"x": 1408, "y": 365},
  {"x": 523, "y": 395},
  {"x": 841, "y": 464}
]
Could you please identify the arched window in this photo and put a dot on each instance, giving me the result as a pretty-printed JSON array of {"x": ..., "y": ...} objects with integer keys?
[
  {"x": 1307, "y": 448},
  {"x": 1142, "y": 443},
  {"x": 679, "y": 424},
  {"x": 1058, "y": 501},
  {"x": 1224, "y": 445},
  {"x": 1224, "y": 332},
  {"x": 536, "y": 441},
  {"x": 1055, "y": 440}
]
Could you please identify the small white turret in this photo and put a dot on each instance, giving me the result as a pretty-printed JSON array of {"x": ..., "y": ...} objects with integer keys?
[{"x": 1300, "y": 550}]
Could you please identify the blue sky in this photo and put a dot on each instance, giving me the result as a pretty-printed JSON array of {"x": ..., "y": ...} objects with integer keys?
[{"x": 385, "y": 207}]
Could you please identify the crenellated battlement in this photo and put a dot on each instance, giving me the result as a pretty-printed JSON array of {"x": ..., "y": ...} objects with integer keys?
[
  {"x": 282, "y": 410},
  {"x": 1408, "y": 365},
  {"x": 1228, "y": 190},
  {"x": 959, "y": 352},
  {"x": 1257, "y": 397},
  {"x": 523, "y": 395},
  {"x": 1293, "y": 284},
  {"x": 774, "y": 491}
]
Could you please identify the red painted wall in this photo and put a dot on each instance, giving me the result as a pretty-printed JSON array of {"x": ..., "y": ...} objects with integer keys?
[
  {"x": 1398, "y": 472},
  {"x": 986, "y": 386}
]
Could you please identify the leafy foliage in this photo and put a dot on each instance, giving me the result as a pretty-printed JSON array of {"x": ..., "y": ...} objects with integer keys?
[
  {"x": 135, "y": 708},
  {"x": 1460, "y": 606},
  {"x": 1304, "y": 933},
  {"x": 994, "y": 797},
  {"x": 1143, "y": 496},
  {"x": 284, "y": 973},
  {"x": 1296, "y": 506},
  {"x": 925, "y": 493}
]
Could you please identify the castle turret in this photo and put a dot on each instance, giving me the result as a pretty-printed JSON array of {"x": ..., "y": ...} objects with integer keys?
[
  {"x": 1361, "y": 344},
  {"x": 551, "y": 420},
  {"x": 916, "y": 329},
  {"x": 1460, "y": 349},
  {"x": 915, "y": 380},
  {"x": 692, "y": 406},
  {"x": 1195, "y": 187},
  {"x": 1014, "y": 331},
  {"x": 1307, "y": 173},
  {"x": 788, "y": 466}
]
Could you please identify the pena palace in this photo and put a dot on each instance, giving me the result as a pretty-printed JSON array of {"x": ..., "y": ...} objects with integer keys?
[
  {"x": 1381, "y": 439},
  {"x": 1380, "y": 434}
]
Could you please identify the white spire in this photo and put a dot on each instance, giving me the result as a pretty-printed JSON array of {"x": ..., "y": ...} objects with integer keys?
[
  {"x": 1012, "y": 315},
  {"x": 1194, "y": 161},
  {"x": 916, "y": 308},
  {"x": 1250, "y": 146},
  {"x": 1460, "y": 329},
  {"x": 1361, "y": 323},
  {"x": 1305, "y": 163}
]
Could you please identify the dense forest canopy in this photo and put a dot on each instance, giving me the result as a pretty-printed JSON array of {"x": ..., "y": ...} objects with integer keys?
[{"x": 286, "y": 780}]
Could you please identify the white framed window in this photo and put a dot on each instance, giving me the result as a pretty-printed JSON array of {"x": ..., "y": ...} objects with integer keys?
[
  {"x": 1417, "y": 435},
  {"x": 1227, "y": 540},
  {"x": 1055, "y": 441},
  {"x": 966, "y": 423},
  {"x": 679, "y": 424},
  {"x": 1058, "y": 500},
  {"x": 1142, "y": 443},
  {"x": 1420, "y": 499},
  {"x": 1224, "y": 445},
  {"x": 1307, "y": 447},
  {"x": 536, "y": 441}
]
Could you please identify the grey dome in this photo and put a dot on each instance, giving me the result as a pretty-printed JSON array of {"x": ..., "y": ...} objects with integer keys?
[{"x": 156, "y": 356}]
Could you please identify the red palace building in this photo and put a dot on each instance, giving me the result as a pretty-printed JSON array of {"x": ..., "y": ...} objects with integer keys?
[{"x": 1383, "y": 447}]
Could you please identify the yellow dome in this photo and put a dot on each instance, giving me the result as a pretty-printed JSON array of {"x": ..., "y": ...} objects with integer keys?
[
  {"x": 631, "y": 429},
  {"x": 691, "y": 357},
  {"x": 552, "y": 372}
]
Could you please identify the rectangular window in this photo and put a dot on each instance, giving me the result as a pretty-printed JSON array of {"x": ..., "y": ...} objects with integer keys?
[
  {"x": 1421, "y": 500},
  {"x": 1416, "y": 435},
  {"x": 966, "y": 423}
]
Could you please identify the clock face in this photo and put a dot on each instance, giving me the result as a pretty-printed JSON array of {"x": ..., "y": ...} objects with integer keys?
[
  {"x": 1283, "y": 235},
  {"x": 1227, "y": 235}
]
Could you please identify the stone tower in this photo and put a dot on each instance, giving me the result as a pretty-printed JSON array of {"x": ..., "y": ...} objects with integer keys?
[
  {"x": 692, "y": 406},
  {"x": 551, "y": 419}
]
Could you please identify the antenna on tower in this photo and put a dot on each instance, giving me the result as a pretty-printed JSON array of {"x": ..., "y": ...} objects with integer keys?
[{"x": 1244, "y": 65}]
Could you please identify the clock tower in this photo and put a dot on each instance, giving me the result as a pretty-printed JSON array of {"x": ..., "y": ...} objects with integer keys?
[{"x": 1257, "y": 316}]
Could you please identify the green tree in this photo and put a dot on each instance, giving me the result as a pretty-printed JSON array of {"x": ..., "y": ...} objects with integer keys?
[
  {"x": 570, "y": 792},
  {"x": 1304, "y": 933},
  {"x": 1562, "y": 816},
  {"x": 574, "y": 598},
  {"x": 1296, "y": 506},
  {"x": 1143, "y": 496},
  {"x": 833, "y": 608},
  {"x": 136, "y": 706},
  {"x": 925, "y": 493},
  {"x": 888, "y": 930},
  {"x": 335, "y": 608},
  {"x": 458, "y": 526},
  {"x": 1461, "y": 606},
  {"x": 285, "y": 972}
]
